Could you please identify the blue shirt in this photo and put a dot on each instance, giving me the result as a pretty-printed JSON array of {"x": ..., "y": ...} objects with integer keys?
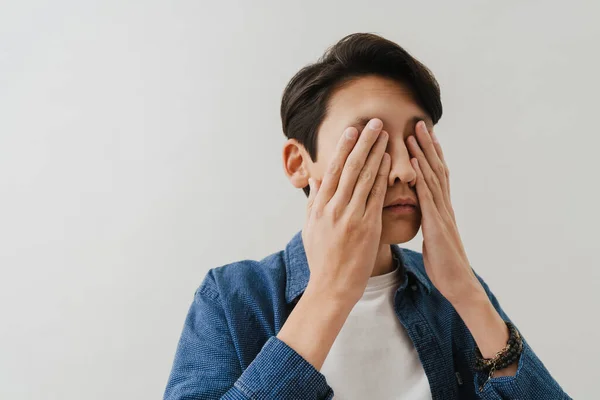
[{"x": 229, "y": 350}]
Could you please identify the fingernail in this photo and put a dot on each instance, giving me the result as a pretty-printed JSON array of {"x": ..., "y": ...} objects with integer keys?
[
  {"x": 375, "y": 123},
  {"x": 351, "y": 133}
]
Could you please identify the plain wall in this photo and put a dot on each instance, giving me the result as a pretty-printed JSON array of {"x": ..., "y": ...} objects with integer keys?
[{"x": 140, "y": 145}]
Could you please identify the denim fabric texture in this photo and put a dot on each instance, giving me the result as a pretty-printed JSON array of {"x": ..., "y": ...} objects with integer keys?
[{"x": 229, "y": 350}]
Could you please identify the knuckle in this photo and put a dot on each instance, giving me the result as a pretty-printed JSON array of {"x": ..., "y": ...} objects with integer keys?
[
  {"x": 347, "y": 146},
  {"x": 347, "y": 226},
  {"x": 431, "y": 178},
  {"x": 353, "y": 165},
  {"x": 376, "y": 191},
  {"x": 365, "y": 175},
  {"x": 334, "y": 168},
  {"x": 333, "y": 211},
  {"x": 441, "y": 169},
  {"x": 348, "y": 229},
  {"x": 317, "y": 213}
]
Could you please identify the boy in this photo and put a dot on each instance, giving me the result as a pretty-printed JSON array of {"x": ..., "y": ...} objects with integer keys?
[{"x": 343, "y": 312}]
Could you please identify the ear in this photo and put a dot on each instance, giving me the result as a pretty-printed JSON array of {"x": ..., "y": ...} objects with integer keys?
[{"x": 296, "y": 163}]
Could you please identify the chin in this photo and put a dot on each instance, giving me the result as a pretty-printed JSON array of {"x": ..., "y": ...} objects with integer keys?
[{"x": 400, "y": 230}]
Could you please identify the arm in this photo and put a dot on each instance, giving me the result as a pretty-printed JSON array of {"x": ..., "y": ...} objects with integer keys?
[
  {"x": 341, "y": 238},
  {"x": 526, "y": 379},
  {"x": 206, "y": 364},
  {"x": 314, "y": 324},
  {"x": 448, "y": 267},
  {"x": 485, "y": 324}
]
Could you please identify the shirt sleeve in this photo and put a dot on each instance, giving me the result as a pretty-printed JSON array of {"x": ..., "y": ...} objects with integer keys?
[
  {"x": 206, "y": 364},
  {"x": 531, "y": 381}
]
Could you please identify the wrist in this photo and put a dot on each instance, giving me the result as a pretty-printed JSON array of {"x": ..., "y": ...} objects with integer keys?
[
  {"x": 329, "y": 299},
  {"x": 314, "y": 323},
  {"x": 476, "y": 309},
  {"x": 464, "y": 292},
  {"x": 484, "y": 322}
]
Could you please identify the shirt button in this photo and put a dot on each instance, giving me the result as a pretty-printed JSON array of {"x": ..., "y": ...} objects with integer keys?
[
  {"x": 458, "y": 378},
  {"x": 413, "y": 287}
]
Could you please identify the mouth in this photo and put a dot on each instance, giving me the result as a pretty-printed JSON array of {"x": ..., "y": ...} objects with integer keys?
[
  {"x": 402, "y": 206},
  {"x": 401, "y": 209}
]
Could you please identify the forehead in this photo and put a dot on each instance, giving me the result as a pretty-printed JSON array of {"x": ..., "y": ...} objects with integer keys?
[{"x": 361, "y": 99}]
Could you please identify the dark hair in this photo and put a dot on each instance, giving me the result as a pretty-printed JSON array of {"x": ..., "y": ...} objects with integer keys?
[{"x": 305, "y": 98}]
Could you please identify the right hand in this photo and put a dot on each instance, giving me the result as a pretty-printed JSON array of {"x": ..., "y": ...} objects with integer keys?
[{"x": 342, "y": 232}]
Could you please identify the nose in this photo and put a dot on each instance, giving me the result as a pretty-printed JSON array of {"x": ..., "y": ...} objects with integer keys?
[{"x": 401, "y": 170}]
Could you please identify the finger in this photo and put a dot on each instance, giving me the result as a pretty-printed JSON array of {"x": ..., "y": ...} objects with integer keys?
[
  {"x": 428, "y": 206},
  {"x": 438, "y": 147},
  {"x": 430, "y": 178},
  {"x": 376, "y": 198},
  {"x": 332, "y": 176},
  {"x": 440, "y": 153},
  {"x": 433, "y": 159},
  {"x": 356, "y": 161},
  {"x": 426, "y": 144},
  {"x": 314, "y": 188},
  {"x": 366, "y": 178}
]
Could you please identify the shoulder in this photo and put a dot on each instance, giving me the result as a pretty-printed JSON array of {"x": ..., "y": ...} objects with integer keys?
[{"x": 245, "y": 279}]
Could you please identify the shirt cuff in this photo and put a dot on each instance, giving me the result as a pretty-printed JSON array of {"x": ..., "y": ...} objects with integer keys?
[
  {"x": 531, "y": 381},
  {"x": 279, "y": 372}
]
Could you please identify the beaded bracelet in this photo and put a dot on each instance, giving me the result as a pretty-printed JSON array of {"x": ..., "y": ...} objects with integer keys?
[{"x": 503, "y": 358}]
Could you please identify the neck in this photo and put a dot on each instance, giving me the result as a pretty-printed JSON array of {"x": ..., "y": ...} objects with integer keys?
[{"x": 384, "y": 263}]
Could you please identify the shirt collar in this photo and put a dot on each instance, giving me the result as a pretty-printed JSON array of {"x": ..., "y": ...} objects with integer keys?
[{"x": 297, "y": 270}]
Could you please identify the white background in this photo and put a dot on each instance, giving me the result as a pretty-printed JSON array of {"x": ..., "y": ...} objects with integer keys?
[{"x": 140, "y": 145}]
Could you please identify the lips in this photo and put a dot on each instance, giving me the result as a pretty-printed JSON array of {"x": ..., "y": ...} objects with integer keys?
[
  {"x": 403, "y": 201},
  {"x": 401, "y": 210}
]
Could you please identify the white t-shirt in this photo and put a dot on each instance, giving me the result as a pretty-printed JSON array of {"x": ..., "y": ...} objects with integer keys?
[{"x": 373, "y": 356}]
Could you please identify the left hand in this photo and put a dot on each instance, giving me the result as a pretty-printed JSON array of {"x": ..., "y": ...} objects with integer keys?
[{"x": 444, "y": 256}]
